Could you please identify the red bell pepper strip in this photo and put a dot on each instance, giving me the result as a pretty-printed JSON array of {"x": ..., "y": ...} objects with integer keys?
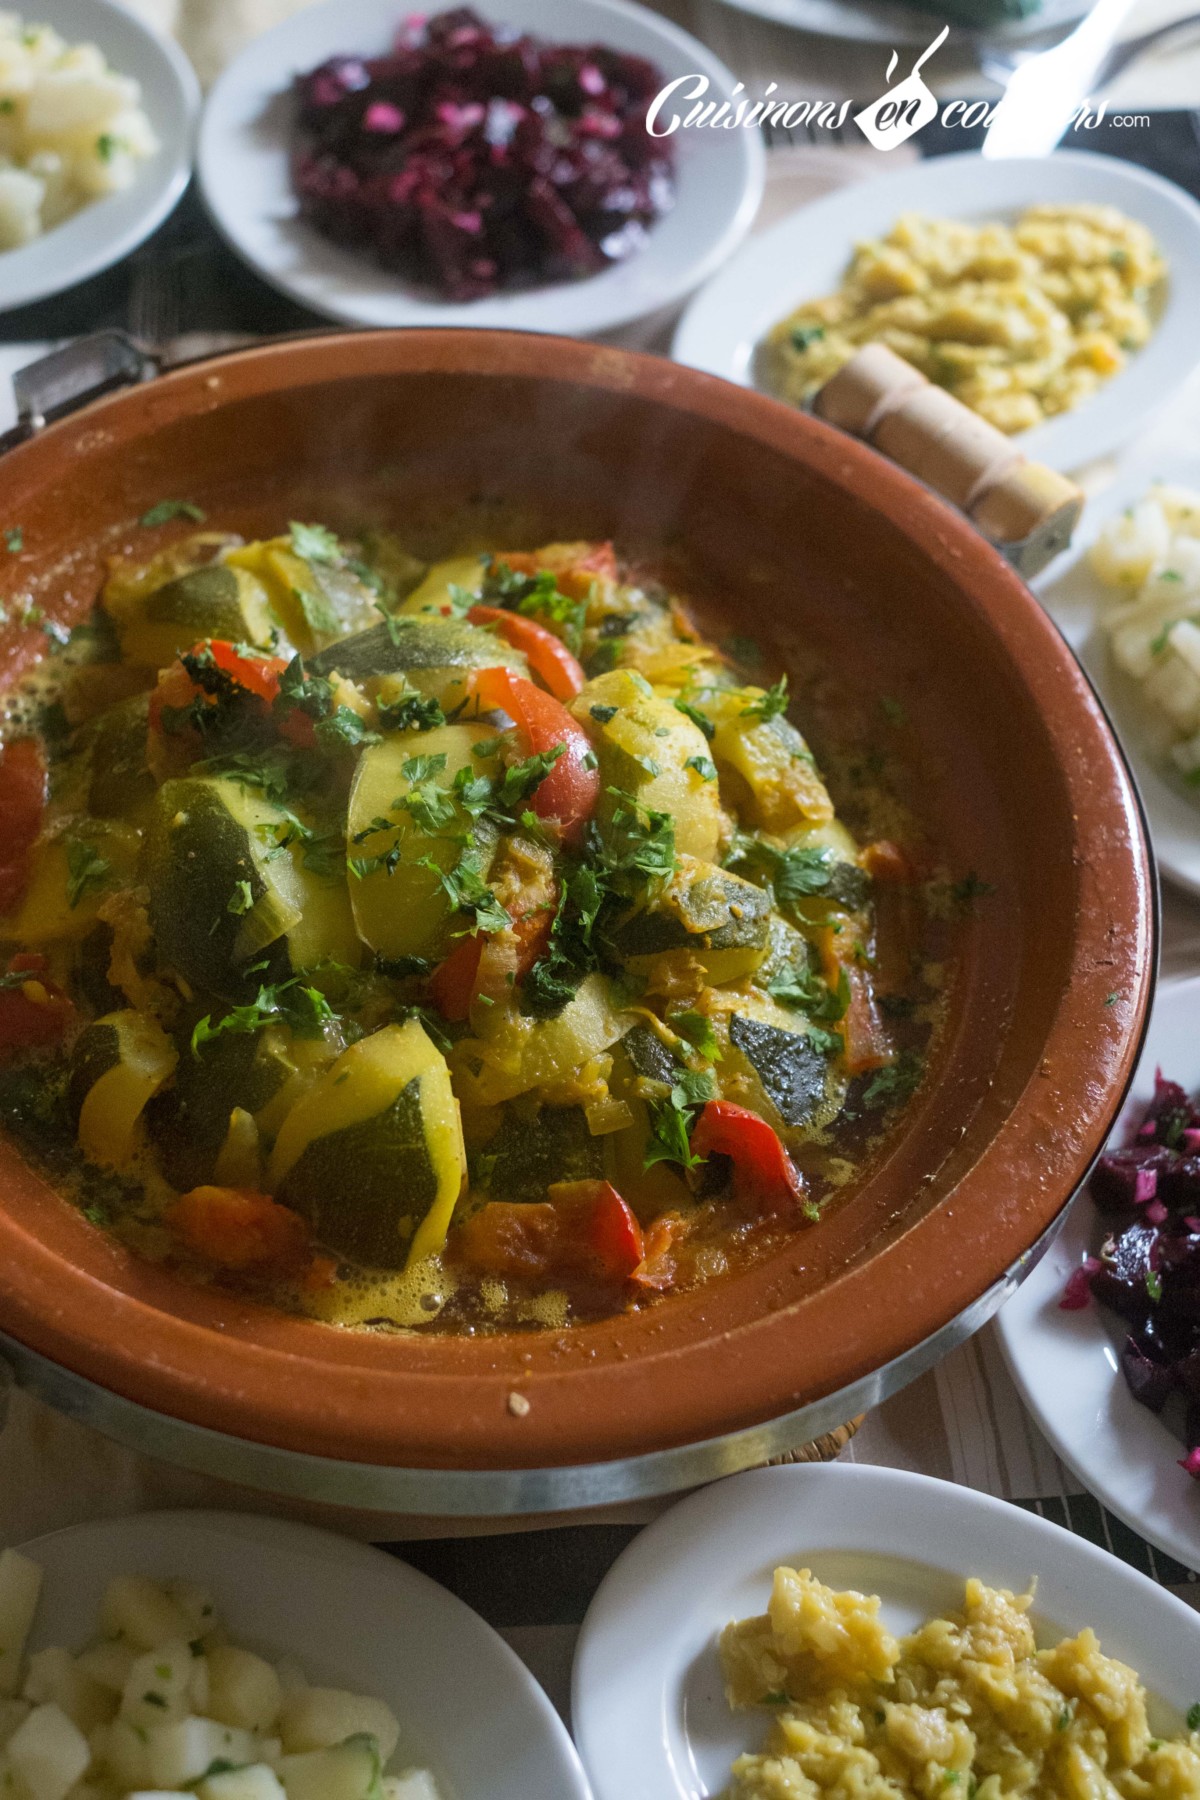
[
  {"x": 657, "y": 1269},
  {"x": 456, "y": 980},
  {"x": 765, "y": 1179},
  {"x": 863, "y": 1031},
  {"x": 22, "y": 806},
  {"x": 568, "y": 795},
  {"x": 239, "y": 1229},
  {"x": 549, "y": 657},
  {"x": 583, "y": 1229},
  {"x": 33, "y": 1012}
]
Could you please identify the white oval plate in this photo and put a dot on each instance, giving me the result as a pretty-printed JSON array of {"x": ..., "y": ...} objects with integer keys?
[
  {"x": 1071, "y": 595},
  {"x": 806, "y": 256},
  {"x": 354, "y": 1618},
  {"x": 243, "y": 171},
  {"x": 648, "y": 1704},
  {"x": 102, "y": 233},
  {"x": 878, "y": 22},
  {"x": 1065, "y": 1363}
]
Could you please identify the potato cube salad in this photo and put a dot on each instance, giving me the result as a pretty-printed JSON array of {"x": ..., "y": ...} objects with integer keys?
[
  {"x": 71, "y": 129},
  {"x": 1149, "y": 559},
  {"x": 162, "y": 1704}
]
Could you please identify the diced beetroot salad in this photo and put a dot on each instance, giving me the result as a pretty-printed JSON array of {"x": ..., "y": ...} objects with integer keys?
[
  {"x": 472, "y": 158},
  {"x": 1148, "y": 1270}
]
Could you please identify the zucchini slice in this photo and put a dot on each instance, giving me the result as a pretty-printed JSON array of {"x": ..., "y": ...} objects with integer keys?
[
  {"x": 432, "y": 652},
  {"x": 373, "y": 1156},
  {"x": 397, "y": 857},
  {"x": 767, "y": 769},
  {"x": 513, "y": 1054},
  {"x": 724, "y": 920},
  {"x": 189, "y": 1121},
  {"x": 222, "y": 890},
  {"x": 526, "y": 1155},
  {"x": 647, "y": 748},
  {"x": 74, "y": 872},
  {"x": 118, "y": 1064},
  {"x": 315, "y": 603},
  {"x": 433, "y": 592},
  {"x": 216, "y": 601},
  {"x": 120, "y": 786}
]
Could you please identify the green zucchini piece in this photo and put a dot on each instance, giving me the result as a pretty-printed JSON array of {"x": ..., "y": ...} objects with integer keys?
[
  {"x": 721, "y": 918},
  {"x": 792, "y": 1072},
  {"x": 525, "y": 1155},
  {"x": 213, "y": 602},
  {"x": 188, "y": 1121},
  {"x": 373, "y": 1155},
  {"x": 117, "y": 1065},
  {"x": 222, "y": 891},
  {"x": 648, "y": 749},
  {"x": 411, "y": 645},
  {"x": 401, "y": 906},
  {"x": 649, "y": 1057},
  {"x": 349, "y": 1771},
  {"x": 120, "y": 784}
]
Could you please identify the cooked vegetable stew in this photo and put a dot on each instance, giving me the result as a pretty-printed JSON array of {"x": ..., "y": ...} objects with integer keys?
[{"x": 457, "y": 946}]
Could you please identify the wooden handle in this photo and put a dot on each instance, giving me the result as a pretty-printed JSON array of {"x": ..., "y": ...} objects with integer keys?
[{"x": 1027, "y": 510}]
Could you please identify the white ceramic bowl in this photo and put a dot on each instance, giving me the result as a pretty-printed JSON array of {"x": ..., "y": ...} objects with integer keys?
[
  {"x": 354, "y": 1618},
  {"x": 243, "y": 171},
  {"x": 108, "y": 229},
  {"x": 648, "y": 1704},
  {"x": 1065, "y": 1363},
  {"x": 805, "y": 256}
]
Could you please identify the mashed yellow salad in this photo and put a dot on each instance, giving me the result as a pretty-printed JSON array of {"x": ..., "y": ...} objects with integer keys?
[
  {"x": 967, "y": 1708},
  {"x": 1019, "y": 322}
]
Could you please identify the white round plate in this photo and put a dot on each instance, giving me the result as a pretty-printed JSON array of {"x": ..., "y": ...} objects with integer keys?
[
  {"x": 648, "y": 1705},
  {"x": 102, "y": 233},
  {"x": 878, "y": 22},
  {"x": 354, "y": 1618},
  {"x": 1065, "y": 1363},
  {"x": 243, "y": 171},
  {"x": 806, "y": 256},
  {"x": 1071, "y": 595}
]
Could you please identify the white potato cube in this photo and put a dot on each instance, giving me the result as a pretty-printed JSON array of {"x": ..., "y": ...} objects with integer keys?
[
  {"x": 20, "y": 207},
  {"x": 141, "y": 1610},
  {"x": 48, "y": 1753},
  {"x": 197, "y": 1604},
  {"x": 157, "y": 1690},
  {"x": 414, "y": 1784},
  {"x": 184, "y": 1751},
  {"x": 55, "y": 1675},
  {"x": 109, "y": 1663},
  {"x": 20, "y": 1576},
  {"x": 1180, "y": 505},
  {"x": 243, "y": 1689},
  {"x": 257, "y": 1782},
  {"x": 314, "y": 1718},
  {"x": 347, "y": 1771},
  {"x": 122, "y": 1752},
  {"x": 63, "y": 101},
  {"x": 1127, "y": 548},
  {"x": 291, "y": 1676}
]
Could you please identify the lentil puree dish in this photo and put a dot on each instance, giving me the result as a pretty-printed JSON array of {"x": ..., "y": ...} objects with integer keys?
[{"x": 451, "y": 947}]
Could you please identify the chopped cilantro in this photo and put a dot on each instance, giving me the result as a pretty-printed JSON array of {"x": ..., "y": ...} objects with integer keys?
[
  {"x": 241, "y": 899},
  {"x": 314, "y": 543},
  {"x": 697, "y": 717},
  {"x": 520, "y": 781},
  {"x": 87, "y": 870},
  {"x": 696, "y": 1029},
  {"x": 670, "y": 1120},
  {"x": 107, "y": 146},
  {"x": 770, "y": 704},
  {"x": 343, "y": 729},
  {"x": 415, "y": 712},
  {"x": 304, "y": 1009},
  {"x": 418, "y": 769},
  {"x": 166, "y": 510},
  {"x": 801, "y": 337},
  {"x": 796, "y": 874},
  {"x": 705, "y": 769},
  {"x": 14, "y": 539},
  {"x": 1064, "y": 1719},
  {"x": 895, "y": 1082}
]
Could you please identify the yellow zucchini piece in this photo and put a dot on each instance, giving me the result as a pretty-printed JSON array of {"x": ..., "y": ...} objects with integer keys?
[
  {"x": 314, "y": 603},
  {"x": 373, "y": 1156},
  {"x": 407, "y": 912},
  {"x": 118, "y": 1064},
  {"x": 217, "y": 601},
  {"x": 770, "y": 774},
  {"x": 514, "y": 1054},
  {"x": 74, "y": 872},
  {"x": 433, "y": 592},
  {"x": 645, "y": 747}
]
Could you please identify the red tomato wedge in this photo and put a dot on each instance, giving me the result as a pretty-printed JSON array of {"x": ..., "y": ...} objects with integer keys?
[
  {"x": 472, "y": 964},
  {"x": 657, "y": 1269},
  {"x": 584, "y": 1228},
  {"x": 765, "y": 1179},
  {"x": 257, "y": 675},
  {"x": 22, "y": 805},
  {"x": 452, "y": 984},
  {"x": 36, "y": 1012},
  {"x": 549, "y": 657},
  {"x": 568, "y": 795},
  {"x": 239, "y": 1229}
]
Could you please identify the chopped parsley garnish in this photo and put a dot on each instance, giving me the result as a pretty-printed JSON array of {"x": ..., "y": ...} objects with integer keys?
[
  {"x": 796, "y": 874},
  {"x": 697, "y": 717},
  {"x": 770, "y": 704},
  {"x": 965, "y": 892},
  {"x": 412, "y": 712},
  {"x": 87, "y": 870},
  {"x": 802, "y": 337},
  {"x": 602, "y": 714},
  {"x": 1193, "y": 1717},
  {"x": 343, "y": 729},
  {"x": 536, "y": 596},
  {"x": 14, "y": 539},
  {"x": 800, "y": 988},
  {"x": 166, "y": 510},
  {"x": 314, "y": 543},
  {"x": 696, "y": 1029},
  {"x": 704, "y": 767},
  {"x": 671, "y": 1120},
  {"x": 895, "y": 1082},
  {"x": 304, "y": 1009},
  {"x": 241, "y": 899}
]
